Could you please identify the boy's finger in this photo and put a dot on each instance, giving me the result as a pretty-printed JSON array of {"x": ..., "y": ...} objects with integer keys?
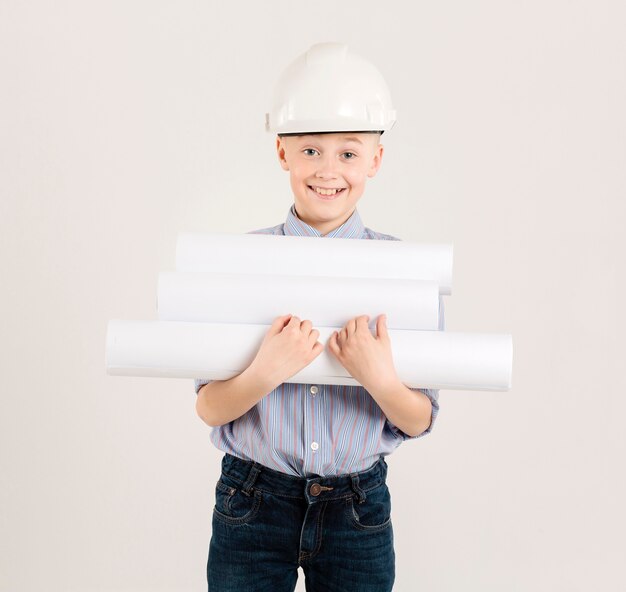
[
  {"x": 294, "y": 321},
  {"x": 333, "y": 345},
  {"x": 351, "y": 326},
  {"x": 279, "y": 324},
  {"x": 361, "y": 323},
  {"x": 318, "y": 348},
  {"x": 314, "y": 334},
  {"x": 381, "y": 327}
]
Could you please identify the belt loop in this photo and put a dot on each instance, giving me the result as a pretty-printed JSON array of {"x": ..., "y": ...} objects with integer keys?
[
  {"x": 384, "y": 467},
  {"x": 252, "y": 475},
  {"x": 356, "y": 488}
]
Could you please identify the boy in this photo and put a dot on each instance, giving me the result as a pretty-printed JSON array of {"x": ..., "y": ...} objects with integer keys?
[{"x": 303, "y": 478}]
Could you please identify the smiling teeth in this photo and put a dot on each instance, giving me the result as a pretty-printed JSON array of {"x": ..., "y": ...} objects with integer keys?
[{"x": 326, "y": 191}]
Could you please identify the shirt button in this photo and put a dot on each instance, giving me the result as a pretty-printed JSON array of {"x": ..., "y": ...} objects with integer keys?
[
  {"x": 314, "y": 390},
  {"x": 314, "y": 446}
]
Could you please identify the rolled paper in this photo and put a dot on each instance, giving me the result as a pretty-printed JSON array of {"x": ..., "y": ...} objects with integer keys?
[
  {"x": 422, "y": 359},
  {"x": 315, "y": 256},
  {"x": 325, "y": 301}
]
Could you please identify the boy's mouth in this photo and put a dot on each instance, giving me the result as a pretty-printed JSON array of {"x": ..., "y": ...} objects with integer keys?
[{"x": 326, "y": 194}]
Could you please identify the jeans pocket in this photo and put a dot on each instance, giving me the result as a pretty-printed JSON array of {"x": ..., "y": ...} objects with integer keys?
[
  {"x": 374, "y": 513},
  {"x": 232, "y": 505}
]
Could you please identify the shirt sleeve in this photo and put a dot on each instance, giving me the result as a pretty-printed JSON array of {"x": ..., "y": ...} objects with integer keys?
[
  {"x": 200, "y": 382},
  {"x": 432, "y": 394}
]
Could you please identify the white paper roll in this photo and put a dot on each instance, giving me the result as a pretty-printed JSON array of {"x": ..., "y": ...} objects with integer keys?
[
  {"x": 423, "y": 359},
  {"x": 326, "y": 301},
  {"x": 315, "y": 256}
]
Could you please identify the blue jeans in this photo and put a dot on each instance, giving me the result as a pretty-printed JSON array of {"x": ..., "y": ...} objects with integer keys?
[{"x": 266, "y": 524}]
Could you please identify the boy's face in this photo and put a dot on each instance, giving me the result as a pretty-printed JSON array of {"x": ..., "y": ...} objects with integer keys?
[{"x": 340, "y": 160}]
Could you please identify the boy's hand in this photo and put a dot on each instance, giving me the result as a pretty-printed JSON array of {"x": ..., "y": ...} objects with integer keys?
[
  {"x": 368, "y": 359},
  {"x": 288, "y": 346}
]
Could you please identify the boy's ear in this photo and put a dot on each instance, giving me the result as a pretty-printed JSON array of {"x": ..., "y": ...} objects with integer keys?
[
  {"x": 280, "y": 149},
  {"x": 376, "y": 160}
]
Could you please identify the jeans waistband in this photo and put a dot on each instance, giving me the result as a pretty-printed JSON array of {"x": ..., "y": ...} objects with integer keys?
[{"x": 253, "y": 475}]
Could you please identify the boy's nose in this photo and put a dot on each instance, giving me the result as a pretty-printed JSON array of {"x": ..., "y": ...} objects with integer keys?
[
  {"x": 325, "y": 175},
  {"x": 326, "y": 169}
]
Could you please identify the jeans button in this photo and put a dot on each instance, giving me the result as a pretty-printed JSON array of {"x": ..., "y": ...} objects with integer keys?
[{"x": 315, "y": 489}]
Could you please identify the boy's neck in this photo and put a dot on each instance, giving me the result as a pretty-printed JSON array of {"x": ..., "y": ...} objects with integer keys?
[{"x": 325, "y": 227}]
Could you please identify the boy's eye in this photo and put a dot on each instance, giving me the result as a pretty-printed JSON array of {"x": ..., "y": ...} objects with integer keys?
[{"x": 349, "y": 155}]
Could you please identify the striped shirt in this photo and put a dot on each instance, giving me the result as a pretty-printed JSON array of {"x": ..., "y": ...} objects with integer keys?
[{"x": 312, "y": 430}]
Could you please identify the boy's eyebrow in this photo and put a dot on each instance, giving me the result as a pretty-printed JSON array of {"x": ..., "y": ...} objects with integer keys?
[
  {"x": 348, "y": 139},
  {"x": 351, "y": 139}
]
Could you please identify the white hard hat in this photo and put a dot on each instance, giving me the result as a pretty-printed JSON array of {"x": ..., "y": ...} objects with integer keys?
[{"x": 329, "y": 89}]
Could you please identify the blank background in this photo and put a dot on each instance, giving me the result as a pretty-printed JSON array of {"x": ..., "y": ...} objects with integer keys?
[{"x": 124, "y": 123}]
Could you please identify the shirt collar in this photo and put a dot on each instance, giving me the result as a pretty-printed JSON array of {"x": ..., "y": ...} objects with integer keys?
[{"x": 352, "y": 228}]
